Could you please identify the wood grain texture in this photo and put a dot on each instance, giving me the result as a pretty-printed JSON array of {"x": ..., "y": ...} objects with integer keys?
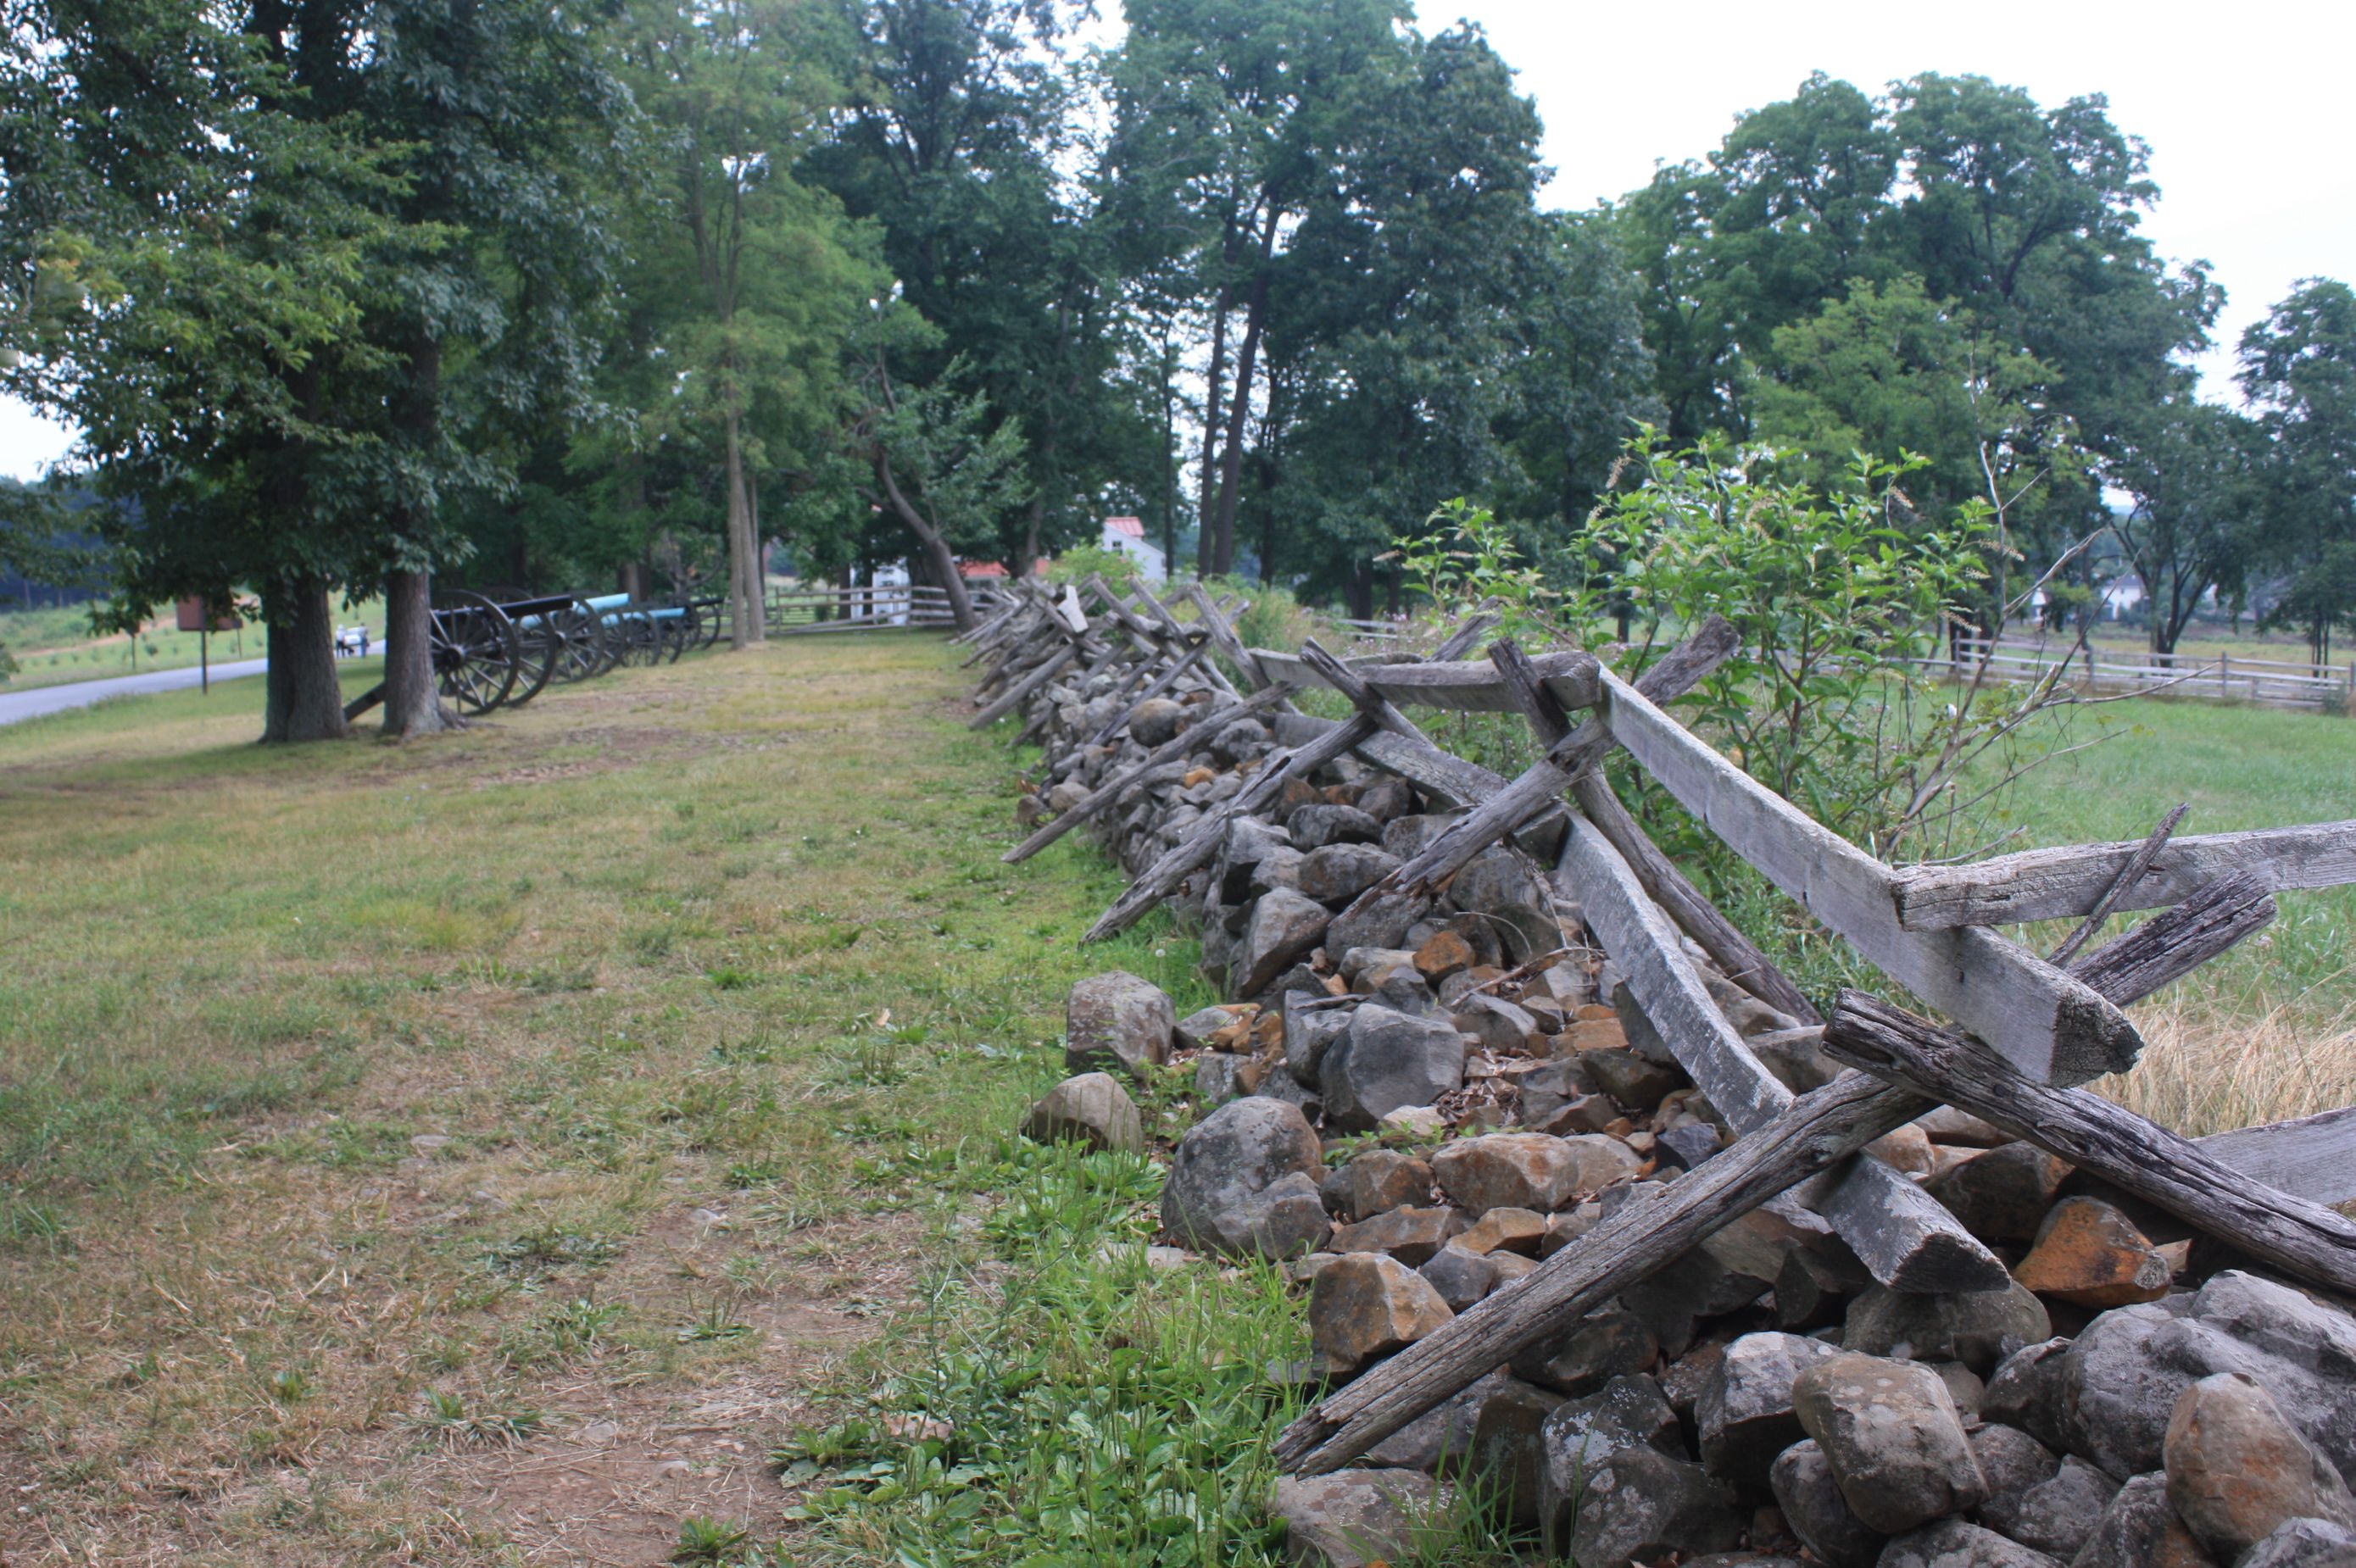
[
  {"x": 1907, "y": 1240},
  {"x": 2312, "y": 1156},
  {"x": 2302, "y": 1238},
  {"x": 2049, "y": 1026},
  {"x": 2055, "y": 884},
  {"x": 1539, "y": 786},
  {"x": 1458, "y": 687},
  {"x": 2129, "y": 874}
]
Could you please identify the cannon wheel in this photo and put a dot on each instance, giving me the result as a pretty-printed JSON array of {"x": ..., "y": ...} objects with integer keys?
[
  {"x": 685, "y": 632},
  {"x": 708, "y": 621},
  {"x": 477, "y": 657},
  {"x": 642, "y": 637},
  {"x": 584, "y": 631}
]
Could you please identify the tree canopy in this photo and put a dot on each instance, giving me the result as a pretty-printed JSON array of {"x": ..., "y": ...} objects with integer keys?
[{"x": 346, "y": 294}]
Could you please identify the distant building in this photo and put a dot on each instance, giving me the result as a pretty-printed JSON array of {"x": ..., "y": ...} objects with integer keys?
[{"x": 1127, "y": 535}]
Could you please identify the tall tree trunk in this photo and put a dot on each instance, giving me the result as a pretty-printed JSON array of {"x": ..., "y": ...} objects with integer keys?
[
  {"x": 1026, "y": 549},
  {"x": 1208, "y": 501},
  {"x": 936, "y": 543},
  {"x": 743, "y": 555},
  {"x": 1239, "y": 405},
  {"x": 760, "y": 559},
  {"x": 1169, "y": 470},
  {"x": 411, "y": 704},
  {"x": 304, "y": 701}
]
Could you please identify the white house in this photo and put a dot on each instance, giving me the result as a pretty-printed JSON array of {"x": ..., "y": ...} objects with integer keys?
[{"x": 1127, "y": 535}]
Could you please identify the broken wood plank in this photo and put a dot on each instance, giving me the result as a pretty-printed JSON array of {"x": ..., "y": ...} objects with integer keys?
[
  {"x": 1719, "y": 937},
  {"x": 2130, "y": 874},
  {"x": 2312, "y": 1156},
  {"x": 1906, "y": 1238},
  {"x": 1539, "y": 787},
  {"x": 1469, "y": 686},
  {"x": 2055, "y": 884},
  {"x": 2302, "y": 1238},
  {"x": 2052, "y": 1027},
  {"x": 1819, "y": 1130}
]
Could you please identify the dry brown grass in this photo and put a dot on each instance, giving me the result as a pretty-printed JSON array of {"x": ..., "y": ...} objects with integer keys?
[{"x": 2206, "y": 1068}]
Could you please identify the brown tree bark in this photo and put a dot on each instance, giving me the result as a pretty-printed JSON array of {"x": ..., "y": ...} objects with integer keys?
[
  {"x": 413, "y": 706},
  {"x": 1231, "y": 460},
  {"x": 1207, "y": 501},
  {"x": 743, "y": 552},
  {"x": 936, "y": 543},
  {"x": 303, "y": 698}
]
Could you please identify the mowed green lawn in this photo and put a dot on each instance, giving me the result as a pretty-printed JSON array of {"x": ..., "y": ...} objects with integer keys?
[{"x": 367, "y": 1110}]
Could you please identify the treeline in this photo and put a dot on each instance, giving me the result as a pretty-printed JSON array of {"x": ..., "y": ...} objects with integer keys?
[{"x": 345, "y": 293}]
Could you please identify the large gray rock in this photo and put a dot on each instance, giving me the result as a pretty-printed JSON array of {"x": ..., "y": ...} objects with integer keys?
[
  {"x": 1951, "y": 1543},
  {"x": 1093, "y": 1109},
  {"x": 1118, "y": 1022},
  {"x": 1891, "y": 1434},
  {"x": 1158, "y": 719},
  {"x": 1243, "y": 1182},
  {"x": 1802, "y": 1479},
  {"x": 1497, "y": 883},
  {"x": 1462, "y": 1277},
  {"x": 1249, "y": 841},
  {"x": 1284, "y": 927},
  {"x": 1382, "y": 923},
  {"x": 1978, "y": 1329},
  {"x": 1309, "y": 1030},
  {"x": 1351, "y": 1518},
  {"x": 2025, "y": 1390},
  {"x": 1508, "y": 1456},
  {"x": 2001, "y": 1196},
  {"x": 1580, "y": 1433},
  {"x": 1384, "y": 1061},
  {"x": 2120, "y": 1379},
  {"x": 1377, "y": 1179},
  {"x": 2138, "y": 1529},
  {"x": 1314, "y": 827},
  {"x": 1744, "y": 1415},
  {"x": 1530, "y": 1170},
  {"x": 1440, "y": 1438},
  {"x": 1640, "y": 1505},
  {"x": 2237, "y": 1470},
  {"x": 2057, "y": 1514},
  {"x": 2303, "y": 1543},
  {"x": 1591, "y": 1353},
  {"x": 1336, "y": 873}
]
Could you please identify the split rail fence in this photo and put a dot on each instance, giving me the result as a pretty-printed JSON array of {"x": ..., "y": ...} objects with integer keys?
[
  {"x": 2024, "y": 1030},
  {"x": 2227, "y": 677}
]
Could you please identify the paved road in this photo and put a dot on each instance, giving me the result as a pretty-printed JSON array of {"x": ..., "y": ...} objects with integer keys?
[{"x": 18, "y": 706}]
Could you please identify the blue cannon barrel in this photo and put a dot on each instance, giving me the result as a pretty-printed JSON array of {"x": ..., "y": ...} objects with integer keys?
[{"x": 608, "y": 601}]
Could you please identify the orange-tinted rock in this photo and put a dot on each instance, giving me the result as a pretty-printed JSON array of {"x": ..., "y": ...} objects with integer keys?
[
  {"x": 1410, "y": 1236},
  {"x": 2090, "y": 1254},
  {"x": 1366, "y": 1306},
  {"x": 1446, "y": 953},
  {"x": 1595, "y": 1034},
  {"x": 1505, "y": 1230},
  {"x": 1197, "y": 777},
  {"x": 1908, "y": 1149}
]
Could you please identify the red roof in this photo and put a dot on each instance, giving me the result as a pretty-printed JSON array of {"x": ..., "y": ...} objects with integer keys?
[
  {"x": 980, "y": 569},
  {"x": 1133, "y": 527}
]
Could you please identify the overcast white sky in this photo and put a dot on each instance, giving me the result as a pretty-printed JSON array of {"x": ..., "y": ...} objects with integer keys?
[{"x": 2245, "y": 106}]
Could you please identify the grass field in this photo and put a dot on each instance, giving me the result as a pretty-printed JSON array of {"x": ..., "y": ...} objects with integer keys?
[
  {"x": 585, "y": 1138},
  {"x": 605, "y": 1077}
]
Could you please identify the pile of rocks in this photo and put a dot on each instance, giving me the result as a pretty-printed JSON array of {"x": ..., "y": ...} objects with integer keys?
[{"x": 1414, "y": 1101}]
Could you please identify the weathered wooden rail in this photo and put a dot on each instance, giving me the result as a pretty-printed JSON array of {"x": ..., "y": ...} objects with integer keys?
[
  {"x": 2025, "y": 1030},
  {"x": 2228, "y": 677}
]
